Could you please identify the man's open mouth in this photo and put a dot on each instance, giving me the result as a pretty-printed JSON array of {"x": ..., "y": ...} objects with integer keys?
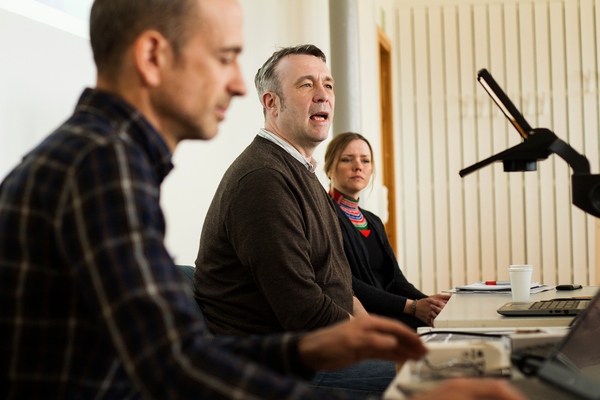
[{"x": 320, "y": 116}]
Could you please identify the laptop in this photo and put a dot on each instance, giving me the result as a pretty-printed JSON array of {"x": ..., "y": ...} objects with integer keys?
[
  {"x": 571, "y": 371},
  {"x": 573, "y": 367},
  {"x": 569, "y": 306}
]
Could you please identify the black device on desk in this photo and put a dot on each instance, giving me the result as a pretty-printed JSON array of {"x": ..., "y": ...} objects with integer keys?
[{"x": 568, "y": 287}]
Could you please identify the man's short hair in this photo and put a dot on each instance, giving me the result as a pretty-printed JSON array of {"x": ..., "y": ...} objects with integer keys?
[
  {"x": 115, "y": 24},
  {"x": 266, "y": 79}
]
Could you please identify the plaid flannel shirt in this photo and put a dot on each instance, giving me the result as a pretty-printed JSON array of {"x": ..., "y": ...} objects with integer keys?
[{"x": 91, "y": 304}]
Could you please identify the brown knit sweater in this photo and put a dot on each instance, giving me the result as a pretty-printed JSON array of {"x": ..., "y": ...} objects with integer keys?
[{"x": 271, "y": 257}]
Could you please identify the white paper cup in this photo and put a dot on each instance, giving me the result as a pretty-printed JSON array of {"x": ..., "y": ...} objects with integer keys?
[{"x": 520, "y": 282}]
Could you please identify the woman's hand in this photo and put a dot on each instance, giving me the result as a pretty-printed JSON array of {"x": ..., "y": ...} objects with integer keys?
[{"x": 429, "y": 307}]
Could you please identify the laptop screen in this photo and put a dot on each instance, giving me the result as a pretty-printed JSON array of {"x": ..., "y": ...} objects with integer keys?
[
  {"x": 581, "y": 350},
  {"x": 575, "y": 363}
]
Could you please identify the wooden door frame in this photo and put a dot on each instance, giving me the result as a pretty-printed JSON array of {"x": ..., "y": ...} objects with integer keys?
[{"x": 388, "y": 167}]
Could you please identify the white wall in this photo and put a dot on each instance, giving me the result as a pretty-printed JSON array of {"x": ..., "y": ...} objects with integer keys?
[{"x": 42, "y": 72}]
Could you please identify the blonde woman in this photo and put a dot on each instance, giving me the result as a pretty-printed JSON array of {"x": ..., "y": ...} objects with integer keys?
[{"x": 377, "y": 280}]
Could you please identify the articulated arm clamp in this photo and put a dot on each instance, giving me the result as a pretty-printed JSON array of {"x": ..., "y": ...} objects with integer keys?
[{"x": 541, "y": 143}]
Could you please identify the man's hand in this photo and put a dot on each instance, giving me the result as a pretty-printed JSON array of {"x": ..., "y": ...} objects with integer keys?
[
  {"x": 359, "y": 339},
  {"x": 472, "y": 389}
]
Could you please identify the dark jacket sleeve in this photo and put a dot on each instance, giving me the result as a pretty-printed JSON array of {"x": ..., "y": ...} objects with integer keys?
[
  {"x": 390, "y": 300},
  {"x": 399, "y": 285}
]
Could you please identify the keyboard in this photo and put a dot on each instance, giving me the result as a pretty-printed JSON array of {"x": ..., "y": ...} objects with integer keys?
[{"x": 556, "y": 305}]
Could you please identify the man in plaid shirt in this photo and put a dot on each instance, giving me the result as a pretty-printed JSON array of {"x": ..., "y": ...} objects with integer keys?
[{"x": 91, "y": 304}]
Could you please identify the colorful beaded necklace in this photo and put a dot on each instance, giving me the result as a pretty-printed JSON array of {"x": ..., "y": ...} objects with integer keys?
[{"x": 350, "y": 208}]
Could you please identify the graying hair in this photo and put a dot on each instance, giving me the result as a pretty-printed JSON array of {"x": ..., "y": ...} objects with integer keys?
[{"x": 267, "y": 80}]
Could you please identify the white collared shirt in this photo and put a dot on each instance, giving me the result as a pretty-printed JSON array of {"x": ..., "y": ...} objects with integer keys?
[{"x": 310, "y": 165}]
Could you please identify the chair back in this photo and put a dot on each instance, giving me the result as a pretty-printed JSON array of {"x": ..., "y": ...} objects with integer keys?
[{"x": 187, "y": 272}]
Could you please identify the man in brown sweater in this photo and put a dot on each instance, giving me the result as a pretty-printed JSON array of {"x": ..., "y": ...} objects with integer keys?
[{"x": 271, "y": 257}]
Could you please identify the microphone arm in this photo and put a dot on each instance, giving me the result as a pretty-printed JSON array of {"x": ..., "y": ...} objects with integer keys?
[{"x": 540, "y": 144}]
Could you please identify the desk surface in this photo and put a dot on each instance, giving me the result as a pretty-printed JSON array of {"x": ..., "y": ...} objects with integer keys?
[{"x": 479, "y": 310}]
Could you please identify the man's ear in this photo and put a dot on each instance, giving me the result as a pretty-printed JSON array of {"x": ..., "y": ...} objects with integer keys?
[
  {"x": 271, "y": 103},
  {"x": 152, "y": 51}
]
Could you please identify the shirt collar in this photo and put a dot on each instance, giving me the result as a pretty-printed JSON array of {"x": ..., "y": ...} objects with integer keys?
[
  {"x": 310, "y": 165},
  {"x": 131, "y": 123}
]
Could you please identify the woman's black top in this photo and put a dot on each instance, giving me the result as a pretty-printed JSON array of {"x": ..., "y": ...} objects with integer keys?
[{"x": 377, "y": 280}]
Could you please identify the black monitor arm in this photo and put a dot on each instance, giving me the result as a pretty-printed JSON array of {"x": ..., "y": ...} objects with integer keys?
[{"x": 541, "y": 143}]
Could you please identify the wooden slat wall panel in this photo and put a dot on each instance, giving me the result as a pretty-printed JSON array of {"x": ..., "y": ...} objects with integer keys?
[
  {"x": 547, "y": 231},
  {"x": 532, "y": 216},
  {"x": 512, "y": 87},
  {"x": 409, "y": 206},
  {"x": 499, "y": 134},
  {"x": 595, "y": 274},
  {"x": 575, "y": 129},
  {"x": 440, "y": 276},
  {"x": 424, "y": 167},
  {"x": 589, "y": 70},
  {"x": 545, "y": 54},
  {"x": 562, "y": 172},
  {"x": 483, "y": 138},
  {"x": 456, "y": 217},
  {"x": 469, "y": 140}
]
